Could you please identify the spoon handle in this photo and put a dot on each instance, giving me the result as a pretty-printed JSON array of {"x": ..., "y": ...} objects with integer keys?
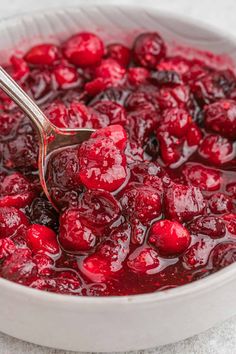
[{"x": 15, "y": 92}]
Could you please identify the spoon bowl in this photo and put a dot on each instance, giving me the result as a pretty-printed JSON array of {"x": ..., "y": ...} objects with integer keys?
[{"x": 51, "y": 138}]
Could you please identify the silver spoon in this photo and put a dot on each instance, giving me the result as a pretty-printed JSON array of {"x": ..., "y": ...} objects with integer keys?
[{"x": 51, "y": 138}]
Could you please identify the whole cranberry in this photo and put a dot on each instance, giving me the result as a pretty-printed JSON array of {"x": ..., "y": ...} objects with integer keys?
[
  {"x": 42, "y": 54},
  {"x": 173, "y": 96},
  {"x": 73, "y": 235},
  {"x": 110, "y": 71},
  {"x": 7, "y": 247},
  {"x": 119, "y": 52},
  {"x": 20, "y": 68},
  {"x": 143, "y": 260},
  {"x": 194, "y": 135},
  {"x": 170, "y": 147},
  {"x": 42, "y": 238},
  {"x": 84, "y": 49},
  {"x": 149, "y": 49},
  {"x": 203, "y": 177},
  {"x": 169, "y": 237},
  {"x": 216, "y": 150},
  {"x": 221, "y": 117},
  {"x": 182, "y": 202},
  {"x": 11, "y": 220},
  {"x": 102, "y": 165},
  {"x": 220, "y": 203},
  {"x": 208, "y": 225},
  {"x": 44, "y": 263}
]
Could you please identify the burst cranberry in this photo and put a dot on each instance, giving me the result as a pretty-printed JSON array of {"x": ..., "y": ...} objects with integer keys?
[
  {"x": 231, "y": 189},
  {"x": 41, "y": 238},
  {"x": 194, "y": 135},
  {"x": 110, "y": 112},
  {"x": 16, "y": 191},
  {"x": 230, "y": 221},
  {"x": 223, "y": 255},
  {"x": 42, "y": 54},
  {"x": 182, "y": 203},
  {"x": 11, "y": 220},
  {"x": 172, "y": 97},
  {"x": 219, "y": 204},
  {"x": 197, "y": 255},
  {"x": 208, "y": 225},
  {"x": 7, "y": 247},
  {"x": 137, "y": 76},
  {"x": 102, "y": 165},
  {"x": 140, "y": 100},
  {"x": 20, "y": 68},
  {"x": 169, "y": 237},
  {"x": 202, "y": 177},
  {"x": 142, "y": 203},
  {"x": 42, "y": 212},
  {"x": 119, "y": 52},
  {"x": 19, "y": 266},
  {"x": 170, "y": 147},
  {"x": 44, "y": 263},
  {"x": 149, "y": 49},
  {"x": 107, "y": 261},
  {"x": 114, "y": 132},
  {"x": 98, "y": 209},
  {"x": 73, "y": 235},
  {"x": 110, "y": 72},
  {"x": 176, "y": 121},
  {"x": 221, "y": 117},
  {"x": 57, "y": 114},
  {"x": 216, "y": 150},
  {"x": 65, "y": 76},
  {"x": 143, "y": 261},
  {"x": 84, "y": 49}
]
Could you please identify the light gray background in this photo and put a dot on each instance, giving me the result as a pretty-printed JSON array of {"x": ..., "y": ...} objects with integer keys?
[{"x": 221, "y": 339}]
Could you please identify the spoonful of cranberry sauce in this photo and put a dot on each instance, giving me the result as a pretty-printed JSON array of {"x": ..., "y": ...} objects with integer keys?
[{"x": 51, "y": 138}]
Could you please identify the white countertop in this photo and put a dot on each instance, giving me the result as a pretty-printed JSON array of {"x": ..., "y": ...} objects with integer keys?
[{"x": 222, "y": 338}]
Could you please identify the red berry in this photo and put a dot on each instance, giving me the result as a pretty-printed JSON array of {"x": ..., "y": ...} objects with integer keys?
[
  {"x": 7, "y": 247},
  {"x": 41, "y": 238},
  {"x": 230, "y": 221},
  {"x": 143, "y": 261},
  {"x": 169, "y": 237},
  {"x": 208, "y": 225},
  {"x": 194, "y": 135},
  {"x": 119, "y": 52},
  {"x": 66, "y": 76},
  {"x": 223, "y": 255},
  {"x": 110, "y": 112},
  {"x": 84, "y": 49},
  {"x": 102, "y": 165},
  {"x": 11, "y": 221},
  {"x": 20, "y": 68},
  {"x": 221, "y": 117},
  {"x": 149, "y": 49},
  {"x": 203, "y": 177},
  {"x": 137, "y": 75},
  {"x": 114, "y": 132},
  {"x": 16, "y": 191},
  {"x": 19, "y": 266},
  {"x": 219, "y": 203},
  {"x": 197, "y": 255},
  {"x": 141, "y": 202},
  {"x": 216, "y": 150},
  {"x": 182, "y": 203},
  {"x": 110, "y": 72},
  {"x": 173, "y": 96},
  {"x": 44, "y": 263},
  {"x": 73, "y": 235},
  {"x": 42, "y": 54},
  {"x": 176, "y": 121}
]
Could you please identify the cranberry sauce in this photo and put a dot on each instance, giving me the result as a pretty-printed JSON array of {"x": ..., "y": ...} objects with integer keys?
[{"x": 149, "y": 201}]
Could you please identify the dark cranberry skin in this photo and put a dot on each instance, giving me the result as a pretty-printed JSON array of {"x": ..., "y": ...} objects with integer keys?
[
  {"x": 208, "y": 225},
  {"x": 220, "y": 117},
  {"x": 119, "y": 52},
  {"x": 84, "y": 49},
  {"x": 148, "y": 49}
]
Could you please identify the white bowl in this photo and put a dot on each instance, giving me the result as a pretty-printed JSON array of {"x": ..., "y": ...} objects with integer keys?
[{"x": 115, "y": 323}]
